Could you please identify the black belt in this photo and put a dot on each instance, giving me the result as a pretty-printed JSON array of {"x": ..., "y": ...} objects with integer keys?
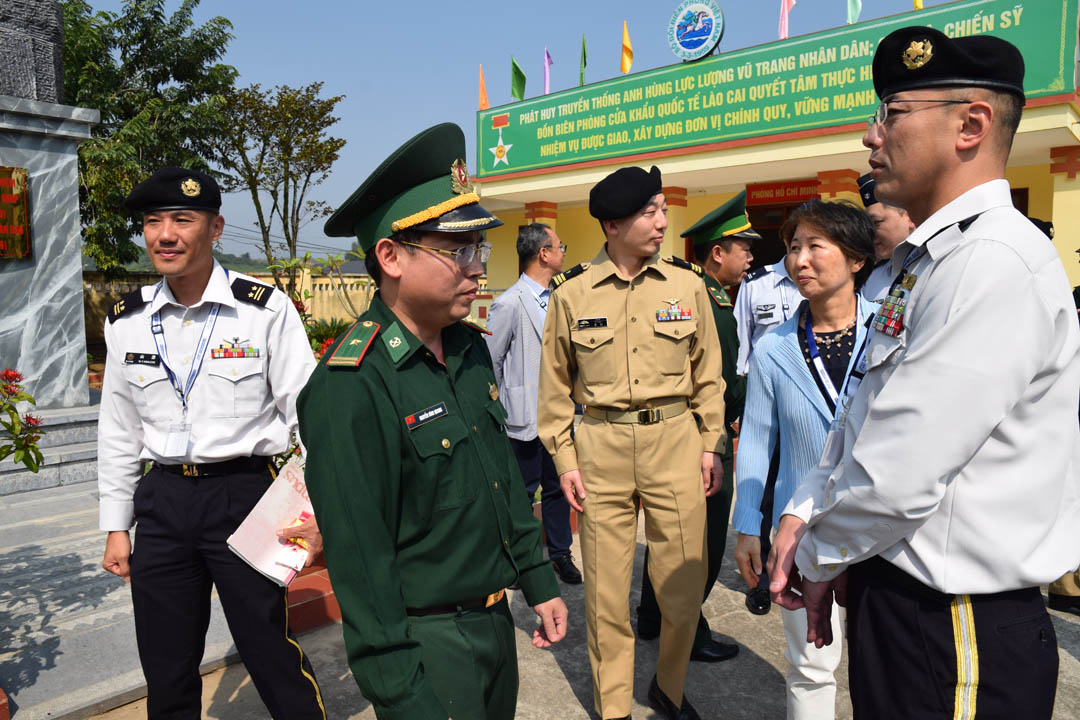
[
  {"x": 479, "y": 604},
  {"x": 225, "y": 467}
]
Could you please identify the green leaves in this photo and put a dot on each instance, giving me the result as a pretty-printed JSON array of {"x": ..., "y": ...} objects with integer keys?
[
  {"x": 157, "y": 82},
  {"x": 22, "y": 433},
  {"x": 275, "y": 146}
]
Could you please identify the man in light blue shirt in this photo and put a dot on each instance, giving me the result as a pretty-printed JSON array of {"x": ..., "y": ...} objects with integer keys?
[{"x": 516, "y": 322}]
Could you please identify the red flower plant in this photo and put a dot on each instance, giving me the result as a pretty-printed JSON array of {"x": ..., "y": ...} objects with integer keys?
[{"x": 18, "y": 435}]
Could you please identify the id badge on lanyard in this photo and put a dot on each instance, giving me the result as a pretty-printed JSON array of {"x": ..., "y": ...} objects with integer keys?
[{"x": 176, "y": 442}]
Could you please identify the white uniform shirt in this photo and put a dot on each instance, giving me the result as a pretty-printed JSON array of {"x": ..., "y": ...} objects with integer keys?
[
  {"x": 766, "y": 298},
  {"x": 238, "y": 407},
  {"x": 960, "y": 456},
  {"x": 877, "y": 285}
]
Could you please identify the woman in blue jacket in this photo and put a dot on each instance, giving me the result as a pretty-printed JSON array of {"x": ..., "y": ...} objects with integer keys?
[{"x": 796, "y": 376}]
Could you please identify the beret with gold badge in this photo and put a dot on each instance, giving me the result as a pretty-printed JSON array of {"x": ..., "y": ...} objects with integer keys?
[
  {"x": 914, "y": 58},
  {"x": 174, "y": 188}
]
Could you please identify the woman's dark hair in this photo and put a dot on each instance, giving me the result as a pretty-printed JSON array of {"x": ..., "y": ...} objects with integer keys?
[{"x": 841, "y": 222}]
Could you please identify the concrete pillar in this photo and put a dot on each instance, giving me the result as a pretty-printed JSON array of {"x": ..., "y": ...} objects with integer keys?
[
  {"x": 543, "y": 212},
  {"x": 839, "y": 185},
  {"x": 678, "y": 221},
  {"x": 1066, "y": 207}
]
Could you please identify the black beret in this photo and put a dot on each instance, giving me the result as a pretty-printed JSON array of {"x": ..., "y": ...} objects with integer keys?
[
  {"x": 623, "y": 192},
  {"x": 866, "y": 190},
  {"x": 173, "y": 188},
  {"x": 914, "y": 58}
]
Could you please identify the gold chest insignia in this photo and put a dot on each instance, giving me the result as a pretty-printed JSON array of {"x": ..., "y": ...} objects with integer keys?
[
  {"x": 191, "y": 187},
  {"x": 493, "y": 391},
  {"x": 460, "y": 182},
  {"x": 918, "y": 53}
]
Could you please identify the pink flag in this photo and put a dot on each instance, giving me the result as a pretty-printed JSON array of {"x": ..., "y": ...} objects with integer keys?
[
  {"x": 548, "y": 62},
  {"x": 785, "y": 8}
]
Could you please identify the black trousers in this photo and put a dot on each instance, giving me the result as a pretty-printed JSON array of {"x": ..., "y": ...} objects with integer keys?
[
  {"x": 538, "y": 471},
  {"x": 179, "y": 552},
  {"x": 917, "y": 653}
]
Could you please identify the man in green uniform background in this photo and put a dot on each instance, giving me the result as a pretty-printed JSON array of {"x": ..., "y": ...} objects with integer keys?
[
  {"x": 419, "y": 497},
  {"x": 722, "y": 248}
]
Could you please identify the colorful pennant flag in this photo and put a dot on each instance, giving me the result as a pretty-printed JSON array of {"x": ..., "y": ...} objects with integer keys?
[
  {"x": 918, "y": 4},
  {"x": 627, "y": 50},
  {"x": 854, "y": 7},
  {"x": 584, "y": 57},
  {"x": 548, "y": 62},
  {"x": 483, "y": 103},
  {"x": 517, "y": 80},
  {"x": 785, "y": 8}
]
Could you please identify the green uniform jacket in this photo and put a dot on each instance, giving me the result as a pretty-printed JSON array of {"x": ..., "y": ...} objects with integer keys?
[
  {"x": 418, "y": 496},
  {"x": 724, "y": 315}
]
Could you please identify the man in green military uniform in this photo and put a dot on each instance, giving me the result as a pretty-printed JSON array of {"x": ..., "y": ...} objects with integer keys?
[
  {"x": 722, "y": 248},
  {"x": 419, "y": 497}
]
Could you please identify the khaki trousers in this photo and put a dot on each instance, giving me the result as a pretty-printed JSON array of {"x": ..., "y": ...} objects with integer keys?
[
  {"x": 1068, "y": 584},
  {"x": 660, "y": 465}
]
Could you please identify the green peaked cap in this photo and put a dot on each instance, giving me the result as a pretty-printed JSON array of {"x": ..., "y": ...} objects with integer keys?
[
  {"x": 728, "y": 220},
  {"x": 424, "y": 185}
]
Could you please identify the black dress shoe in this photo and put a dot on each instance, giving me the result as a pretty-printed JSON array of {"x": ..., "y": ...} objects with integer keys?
[
  {"x": 1065, "y": 603},
  {"x": 666, "y": 708},
  {"x": 714, "y": 651},
  {"x": 758, "y": 601},
  {"x": 566, "y": 570},
  {"x": 647, "y": 627}
]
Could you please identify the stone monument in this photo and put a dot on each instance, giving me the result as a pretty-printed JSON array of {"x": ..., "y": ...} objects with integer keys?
[{"x": 41, "y": 306}]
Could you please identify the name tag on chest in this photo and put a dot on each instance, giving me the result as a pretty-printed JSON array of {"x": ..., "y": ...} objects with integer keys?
[
  {"x": 426, "y": 415},
  {"x": 599, "y": 322},
  {"x": 133, "y": 358}
]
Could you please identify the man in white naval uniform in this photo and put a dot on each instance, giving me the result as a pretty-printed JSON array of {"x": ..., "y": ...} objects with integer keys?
[
  {"x": 201, "y": 381},
  {"x": 891, "y": 226},
  {"x": 949, "y": 489},
  {"x": 766, "y": 298}
]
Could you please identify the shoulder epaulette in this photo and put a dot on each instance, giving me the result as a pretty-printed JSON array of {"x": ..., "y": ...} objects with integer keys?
[
  {"x": 571, "y": 273},
  {"x": 474, "y": 326},
  {"x": 132, "y": 301},
  {"x": 719, "y": 296},
  {"x": 685, "y": 265},
  {"x": 250, "y": 291},
  {"x": 755, "y": 274},
  {"x": 352, "y": 348}
]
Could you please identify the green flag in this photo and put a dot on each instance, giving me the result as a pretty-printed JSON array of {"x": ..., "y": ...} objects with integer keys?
[
  {"x": 854, "y": 7},
  {"x": 584, "y": 57},
  {"x": 517, "y": 80}
]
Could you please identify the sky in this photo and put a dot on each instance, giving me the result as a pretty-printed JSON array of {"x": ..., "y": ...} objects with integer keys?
[{"x": 404, "y": 67}]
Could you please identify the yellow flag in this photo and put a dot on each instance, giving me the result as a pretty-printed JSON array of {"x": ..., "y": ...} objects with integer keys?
[
  {"x": 918, "y": 4},
  {"x": 627, "y": 50}
]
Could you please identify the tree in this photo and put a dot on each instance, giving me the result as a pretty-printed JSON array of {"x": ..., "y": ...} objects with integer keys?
[
  {"x": 157, "y": 81},
  {"x": 276, "y": 147}
]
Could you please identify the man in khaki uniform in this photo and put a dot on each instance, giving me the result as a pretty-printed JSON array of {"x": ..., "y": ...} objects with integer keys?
[{"x": 631, "y": 336}]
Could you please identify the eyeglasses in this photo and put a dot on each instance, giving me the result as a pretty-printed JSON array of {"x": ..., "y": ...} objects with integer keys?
[
  {"x": 562, "y": 247},
  {"x": 462, "y": 256},
  {"x": 882, "y": 113}
]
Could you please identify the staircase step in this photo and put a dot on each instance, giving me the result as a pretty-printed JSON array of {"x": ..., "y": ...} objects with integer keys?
[
  {"x": 63, "y": 465},
  {"x": 66, "y": 426}
]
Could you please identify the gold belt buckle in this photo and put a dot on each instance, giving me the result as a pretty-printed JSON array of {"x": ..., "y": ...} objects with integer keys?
[
  {"x": 648, "y": 416},
  {"x": 190, "y": 470}
]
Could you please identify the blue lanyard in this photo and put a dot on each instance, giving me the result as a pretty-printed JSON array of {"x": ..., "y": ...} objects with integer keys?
[
  {"x": 819, "y": 367},
  {"x": 184, "y": 391}
]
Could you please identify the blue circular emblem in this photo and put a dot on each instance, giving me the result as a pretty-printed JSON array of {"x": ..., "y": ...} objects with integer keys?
[{"x": 695, "y": 29}]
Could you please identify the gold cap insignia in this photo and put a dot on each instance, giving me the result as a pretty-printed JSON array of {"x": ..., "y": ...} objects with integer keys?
[
  {"x": 493, "y": 391},
  {"x": 918, "y": 53},
  {"x": 191, "y": 187},
  {"x": 459, "y": 178}
]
